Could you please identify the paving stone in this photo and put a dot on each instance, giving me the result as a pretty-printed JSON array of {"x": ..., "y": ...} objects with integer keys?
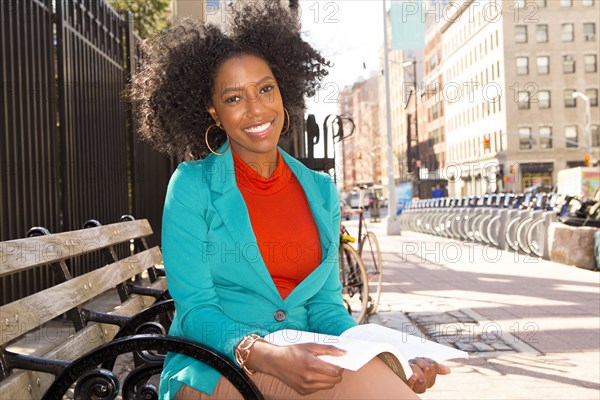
[
  {"x": 501, "y": 346},
  {"x": 448, "y": 341},
  {"x": 458, "y": 329},
  {"x": 466, "y": 339},
  {"x": 469, "y": 348},
  {"x": 462, "y": 317},
  {"x": 482, "y": 347}
]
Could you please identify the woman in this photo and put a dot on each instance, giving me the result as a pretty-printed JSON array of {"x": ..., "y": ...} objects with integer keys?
[{"x": 250, "y": 235}]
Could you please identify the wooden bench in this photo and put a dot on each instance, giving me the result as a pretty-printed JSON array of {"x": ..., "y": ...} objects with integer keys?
[{"x": 81, "y": 363}]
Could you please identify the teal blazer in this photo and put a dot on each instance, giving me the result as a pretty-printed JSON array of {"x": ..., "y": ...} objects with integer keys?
[{"x": 218, "y": 279}]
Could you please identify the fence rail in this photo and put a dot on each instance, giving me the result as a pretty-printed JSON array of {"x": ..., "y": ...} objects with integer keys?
[{"x": 68, "y": 151}]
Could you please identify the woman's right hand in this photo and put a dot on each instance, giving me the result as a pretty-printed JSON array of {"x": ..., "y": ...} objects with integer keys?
[{"x": 298, "y": 366}]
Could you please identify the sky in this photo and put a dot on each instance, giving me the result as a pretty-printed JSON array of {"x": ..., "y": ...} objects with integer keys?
[{"x": 348, "y": 33}]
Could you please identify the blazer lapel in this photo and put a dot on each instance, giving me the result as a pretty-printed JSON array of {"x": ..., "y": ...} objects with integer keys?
[
  {"x": 232, "y": 209},
  {"x": 316, "y": 187}
]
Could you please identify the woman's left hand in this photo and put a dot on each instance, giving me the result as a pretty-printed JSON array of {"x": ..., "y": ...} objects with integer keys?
[{"x": 425, "y": 371}]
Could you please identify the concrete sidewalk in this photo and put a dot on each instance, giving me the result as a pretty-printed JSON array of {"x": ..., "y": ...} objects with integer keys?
[{"x": 547, "y": 313}]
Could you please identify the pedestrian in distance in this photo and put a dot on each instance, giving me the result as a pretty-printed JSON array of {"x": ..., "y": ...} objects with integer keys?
[
  {"x": 437, "y": 192},
  {"x": 232, "y": 214}
]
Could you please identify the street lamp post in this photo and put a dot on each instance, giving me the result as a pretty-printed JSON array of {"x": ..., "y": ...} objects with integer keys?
[
  {"x": 417, "y": 169},
  {"x": 393, "y": 222},
  {"x": 413, "y": 62},
  {"x": 588, "y": 119}
]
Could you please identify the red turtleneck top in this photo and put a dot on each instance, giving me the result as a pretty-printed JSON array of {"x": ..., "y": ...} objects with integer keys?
[{"x": 286, "y": 233}]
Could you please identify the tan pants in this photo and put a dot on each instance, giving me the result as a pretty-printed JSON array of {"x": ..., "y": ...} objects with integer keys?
[{"x": 373, "y": 381}]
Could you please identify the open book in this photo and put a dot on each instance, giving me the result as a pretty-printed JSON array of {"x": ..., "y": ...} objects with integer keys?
[{"x": 363, "y": 342}]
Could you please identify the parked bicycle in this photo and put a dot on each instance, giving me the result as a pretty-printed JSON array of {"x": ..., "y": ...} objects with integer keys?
[
  {"x": 370, "y": 254},
  {"x": 353, "y": 275}
]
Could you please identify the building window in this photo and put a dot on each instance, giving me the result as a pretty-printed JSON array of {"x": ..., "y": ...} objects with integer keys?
[
  {"x": 587, "y": 3},
  {"x": 569, "y": 64},
  {"x": 524, "y": 138},
  {"x": 566, "y": 3},
  {"x": 544, "y": 99},
  {"x": 595, "y": 132},
  {"x": 541, "y": 33},
  {"x": 543, "y": 65},
  {"x": 435, "y": 114},
  {"x": 521, "y": 33},
  {"x": 571, "y": 136},
  {"x": 592, "y": 94},
  {"x": 545, "y": 137},
  {"x": 522, "y": 65},
  {"x": 575, "y": 164},
  {"x": 589, "y": 32},
  {"x": 523, "y": 100},
  {"x": 570, "y": 101},
  {"x": 567, "y": 33},
  {"x": 589, "y": 63}
]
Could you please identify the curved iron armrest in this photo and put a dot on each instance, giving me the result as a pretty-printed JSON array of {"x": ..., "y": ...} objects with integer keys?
[
  {"x": 145, "y": 323},
  {"x": 94, "y": 382},
  {"x": 161, "y": 307}
]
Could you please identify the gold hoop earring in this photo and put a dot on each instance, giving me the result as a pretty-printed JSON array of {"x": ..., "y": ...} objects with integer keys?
[
  {"x": 208, "y": 145},
  {"x": 289, "y": 122}
]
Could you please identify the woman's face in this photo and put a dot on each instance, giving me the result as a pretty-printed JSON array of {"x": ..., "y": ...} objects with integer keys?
[{"x": 247, "y": 103}]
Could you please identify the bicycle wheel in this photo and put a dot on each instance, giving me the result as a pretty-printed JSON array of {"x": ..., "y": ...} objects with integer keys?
[
  {"x": 493, "y": 230},
  {"x": 536, "y": 237},
  {"x": 510, "y": 234},
  {"x": 482, "y": 228},
  {"x": 371, "y": 257},
  {"x": 462, "y": 226},
  {"x": 522, "y": 235},
  {"x": 355, "y": 288}
]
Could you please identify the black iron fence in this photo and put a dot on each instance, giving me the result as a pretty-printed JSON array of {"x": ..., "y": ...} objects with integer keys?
[{"x": 68, "y": 151}]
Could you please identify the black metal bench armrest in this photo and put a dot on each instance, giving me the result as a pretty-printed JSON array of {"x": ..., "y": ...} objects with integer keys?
[
  {"x": 145, "y": 291},
  {"x": 144, "y": 323},
  {"x": 147, "y": 315},
  {"x": 91, "y": 379}
]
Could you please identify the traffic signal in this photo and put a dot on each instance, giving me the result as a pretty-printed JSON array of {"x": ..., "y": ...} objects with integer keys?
[
  {"x": 486, "y": 142},
  {"x": 588, "y": 160},
  {"x": 512, "y": 169}
]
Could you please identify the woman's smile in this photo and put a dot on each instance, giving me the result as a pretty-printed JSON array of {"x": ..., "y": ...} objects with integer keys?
[{"x": 260, "y": 131}]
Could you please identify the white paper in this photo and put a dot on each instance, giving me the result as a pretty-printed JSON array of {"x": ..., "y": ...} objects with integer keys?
[
  {"x": 410, "y": 346},
  {"x": 364, "y": 342}
]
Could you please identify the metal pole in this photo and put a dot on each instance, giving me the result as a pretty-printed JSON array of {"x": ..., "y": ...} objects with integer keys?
[
  {"x": 393, "y": 223},
  {"x": 417, "y": 152},
  {"x": 130, "y": 59},
  {"x": 65, "y": 199}
]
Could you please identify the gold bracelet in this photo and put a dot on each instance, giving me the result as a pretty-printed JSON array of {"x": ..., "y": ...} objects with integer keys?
[{"x": 242, "y": 351}]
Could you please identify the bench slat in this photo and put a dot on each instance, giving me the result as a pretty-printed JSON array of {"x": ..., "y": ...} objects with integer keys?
[
  {"x": 78, "y": 344},
  {"x": 26, "y": 314},
  {"x": 22, "y": 254}
]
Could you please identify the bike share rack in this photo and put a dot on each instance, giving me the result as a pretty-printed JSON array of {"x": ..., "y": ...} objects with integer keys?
[{"x": 517, "y": 222}]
